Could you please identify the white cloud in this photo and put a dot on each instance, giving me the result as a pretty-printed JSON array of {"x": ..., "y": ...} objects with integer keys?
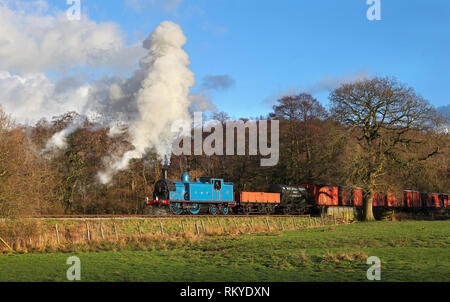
[
  {"x": 33, "y": 96},
  {"x": 35, "y": 40}
]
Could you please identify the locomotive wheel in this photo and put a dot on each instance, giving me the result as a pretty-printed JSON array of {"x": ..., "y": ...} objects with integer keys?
[
  {"x": 225, "y": 210},
  {"x": 177, "y": 208},
  {"x": 195, "y": 209},
  {"x": 213, "y": 209}
]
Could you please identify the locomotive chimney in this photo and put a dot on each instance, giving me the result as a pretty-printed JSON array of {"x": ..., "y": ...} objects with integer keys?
[{"x": 165, "y": 170}]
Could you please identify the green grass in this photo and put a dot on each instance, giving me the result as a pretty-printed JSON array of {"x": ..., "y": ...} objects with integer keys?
[{"x": 409, "y": 251}]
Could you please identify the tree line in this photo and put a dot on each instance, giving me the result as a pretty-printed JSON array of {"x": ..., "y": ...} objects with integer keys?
[{"x": 377, "y": 134}]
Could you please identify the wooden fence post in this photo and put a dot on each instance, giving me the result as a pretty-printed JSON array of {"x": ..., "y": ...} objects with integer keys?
[
  {"x": 161, "y": 226},
  {"x": 115, "y": 232},
  {"x": 196, "y": 228},
  {"x": 203, "y": 227},
  {"x": 57, "y": 233},
  {"x": 220, "y": 225},
  {"x": 101, "y": 232},
  {"x": 139, "y": 229},
  {"x": 88, "y": 233},
  {"x": 293, "y": 222}
]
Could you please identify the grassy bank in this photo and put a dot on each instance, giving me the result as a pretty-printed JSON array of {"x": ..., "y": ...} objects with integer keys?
[
  {"x": 33, "y": 236},
  {"x": 409, "y": 251}
]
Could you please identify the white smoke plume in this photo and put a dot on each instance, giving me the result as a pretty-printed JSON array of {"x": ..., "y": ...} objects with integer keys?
[
  {"x": 155, "y": 97},
  {"x": 59, "y": 139},
  {"x": 146, "y": 104}
]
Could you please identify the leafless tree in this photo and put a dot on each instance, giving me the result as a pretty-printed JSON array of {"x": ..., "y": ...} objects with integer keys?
[
  {"x": 303, "y": 115},
  {"x": 385, "y": 116}
]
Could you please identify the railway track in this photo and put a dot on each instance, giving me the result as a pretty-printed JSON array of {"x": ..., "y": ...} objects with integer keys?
[{"x": 106, "y": 216}]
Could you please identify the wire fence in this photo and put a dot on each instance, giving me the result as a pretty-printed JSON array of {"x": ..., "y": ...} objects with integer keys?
[{"x": 31, "y": 235}]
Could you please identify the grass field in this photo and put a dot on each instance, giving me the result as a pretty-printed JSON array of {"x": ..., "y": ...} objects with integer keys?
[{"x": 409, "y": 251}]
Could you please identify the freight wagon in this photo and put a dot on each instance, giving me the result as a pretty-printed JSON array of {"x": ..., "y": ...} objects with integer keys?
[
  {"x": 256, "y": 202},
  {"x": 326, "y": 197}
]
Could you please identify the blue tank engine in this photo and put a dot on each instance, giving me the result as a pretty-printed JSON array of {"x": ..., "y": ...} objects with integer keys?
[{"x": 204, "y": 194}]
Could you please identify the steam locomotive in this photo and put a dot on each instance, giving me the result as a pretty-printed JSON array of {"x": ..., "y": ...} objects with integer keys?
[
  {"x": 215, "y": 196},
  {"x": 184, "y": 196}
]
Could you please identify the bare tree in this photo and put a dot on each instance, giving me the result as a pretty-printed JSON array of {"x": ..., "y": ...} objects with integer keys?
[
  {"x": 385, "y": 116},
  {"x": 221, "y": 116},
  {"x": 303, "y": 114}
]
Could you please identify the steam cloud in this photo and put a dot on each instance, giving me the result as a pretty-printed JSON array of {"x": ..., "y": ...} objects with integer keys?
[
  {"x": 162, "y": 97},
  {"x": 147, "y": 104}
]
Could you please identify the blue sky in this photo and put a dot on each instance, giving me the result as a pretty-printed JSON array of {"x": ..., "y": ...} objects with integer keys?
[{"x": 274, "y": 47}]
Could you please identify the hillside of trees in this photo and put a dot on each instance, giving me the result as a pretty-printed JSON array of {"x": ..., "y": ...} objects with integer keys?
[{"x": 378, "y": 135}]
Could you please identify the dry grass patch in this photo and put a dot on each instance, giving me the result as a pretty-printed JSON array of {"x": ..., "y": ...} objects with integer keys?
[{"x": 347, "y": 256}]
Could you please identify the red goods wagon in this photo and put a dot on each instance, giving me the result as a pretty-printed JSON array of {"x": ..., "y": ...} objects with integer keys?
[
  {"x": 257, "y": 197},
  {"x": 378, "y": 199},
  {"x": 446, "y": 200},
  {"x": 433, "y": 200},
  {"x": 412, "y": 199},
  {"x": 328, "y": 195},
  {"x": 393, "y": 201},
  {"x": 357, "y": 197},
  {"x": 323, "y": 195}
]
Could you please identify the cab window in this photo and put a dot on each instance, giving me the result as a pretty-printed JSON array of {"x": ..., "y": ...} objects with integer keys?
[{"x": 217, "y": 185}]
